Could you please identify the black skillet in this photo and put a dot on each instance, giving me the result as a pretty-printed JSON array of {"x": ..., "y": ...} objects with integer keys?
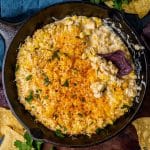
[{"x": 12, "y": 41}]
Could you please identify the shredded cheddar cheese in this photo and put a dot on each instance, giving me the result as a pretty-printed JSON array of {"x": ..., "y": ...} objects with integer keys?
[{"x": 64, "y": 84}]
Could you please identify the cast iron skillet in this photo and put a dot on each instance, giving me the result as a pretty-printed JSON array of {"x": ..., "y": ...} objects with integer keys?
[{"x": 59, "y": 11}]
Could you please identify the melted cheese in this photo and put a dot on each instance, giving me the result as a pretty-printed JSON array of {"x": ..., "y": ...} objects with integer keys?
[{"x": 64, "y": 84}]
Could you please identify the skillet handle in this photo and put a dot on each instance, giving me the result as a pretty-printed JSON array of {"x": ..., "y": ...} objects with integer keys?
[{"x": 8, "y": 31}]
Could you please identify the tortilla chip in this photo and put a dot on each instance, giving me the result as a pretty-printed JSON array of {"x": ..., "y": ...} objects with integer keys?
[
  {"x": 10, "y": 129},
  {"x": 7, "y": 119},
  {"x": 10, "y": 136},
  {"x": 109, "y": 3},
  {"x": 142, "y": 126},
  {"x": 140, "y": 7}
]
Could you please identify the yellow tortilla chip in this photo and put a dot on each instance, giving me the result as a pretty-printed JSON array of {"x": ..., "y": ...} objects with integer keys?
[
  {"x": 109, "y": 3},
  {"x": 10, "y": 136},
  {"x": 10, "y": 129},
  {"x": 7, "y": 119},
  {"x": 142, "y": 126},
  {"x": 140, "y": 7}
]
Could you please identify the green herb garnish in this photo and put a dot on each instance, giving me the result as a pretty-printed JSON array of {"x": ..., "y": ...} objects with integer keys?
[
  {"x": 66, "y": 83},
  {"x": 97, "y": 1},
  {"x": 28, "y": 77},
  {"x": 46, "y": 97},
  {"x": 37, "y": 145},
  {"x": 37, "y": 95},
  {"x": 125, "y": 106},
  {"x": 59, "y": 133},
  {"x": 46, "y": 81},
  {"x": 22, "y": 145},
  {"x": 28, "y": 138},
  {"x": 56, "y": 55},
  {"x": 29, "y": 97},
  {"x": 75, "y": 71},
  {"x": 66, "y": 54},
  {"x": 116, "y": 3},
  {"x": 65, "y": 129},
  {"x": 29, "y": 143},
  {"x": 98, "y": 130},
  {"x": 126, "y": 1},
  {"x": 38, "y": 90},
  {"x": 80, "y": 115}
]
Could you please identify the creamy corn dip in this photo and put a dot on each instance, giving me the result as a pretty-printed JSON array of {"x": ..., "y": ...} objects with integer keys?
[{"x": 64, "y": 83}]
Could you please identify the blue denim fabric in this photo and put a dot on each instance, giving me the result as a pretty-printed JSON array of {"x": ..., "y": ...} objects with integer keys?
[{"x": 11, "y": 9}]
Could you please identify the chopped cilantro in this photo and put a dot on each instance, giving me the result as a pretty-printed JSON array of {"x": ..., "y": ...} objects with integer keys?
[
  {"x": 66, "y": 54},
  {"x": 116, "y": 3},
  {"x": 56, "y": 55},
  {"x": 36, "y": 95},
  {"x": 65, "y": 129},
  {"x": 97, "y": 1},
  {"x": 59, "y": 133},
  {"x": 38, "y": 90},
  {"x": 66, "y": 83},
  {"x": 28, "y": 77},
  {"x": 98, "y": 130},
  {"x": 75, "y": 71},
  {"x": 125, "y": 106},
  {"x": 46, "y": 81},
  {"x": 28, "y": 138},
  {"x": 29, "y": 143},
  {"x": 46, "y": 97},
  {"x": 79, "y": 114},
  {"x": 126, "y": 1},
  {"x": 22, "y": 145},
  {"x": 37, "y": 145},
  {"x": 29, "y": 97}
]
